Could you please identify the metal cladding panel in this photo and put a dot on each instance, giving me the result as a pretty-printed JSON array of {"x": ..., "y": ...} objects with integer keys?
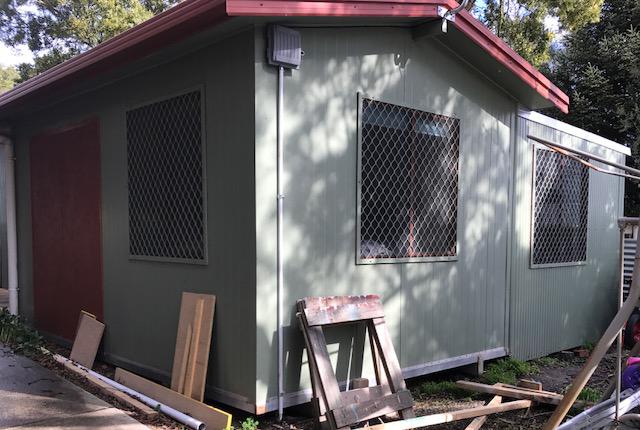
[
  {"x": 142, "y": 298},
  {"x": 554, "y": 308},
  {"x": 435, "y": 310}
]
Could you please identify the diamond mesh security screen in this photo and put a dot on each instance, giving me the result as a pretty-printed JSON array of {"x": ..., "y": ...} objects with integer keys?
[
  {"x": 408, "y": 183},
  {"x": 166, "y": 199},
  {"x": 561, "y": 201}
]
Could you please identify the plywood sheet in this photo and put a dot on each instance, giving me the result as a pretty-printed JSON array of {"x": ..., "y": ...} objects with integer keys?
[
  {"x": 87, "y": 340},
  {"x": 215, "y": 419},
  {"x": 193, "y": 343}
]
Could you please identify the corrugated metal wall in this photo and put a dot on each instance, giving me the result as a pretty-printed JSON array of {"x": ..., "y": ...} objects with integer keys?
[
  {"x": 142, "y": 298},
  {"x": 561, "y": 307},
  {"x": 435, "y": 311}
]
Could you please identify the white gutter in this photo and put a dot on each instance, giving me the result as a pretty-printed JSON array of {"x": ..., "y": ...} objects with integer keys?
[
  {"x": 10, "y": 206},
  {"x": 574, "y": 131}
]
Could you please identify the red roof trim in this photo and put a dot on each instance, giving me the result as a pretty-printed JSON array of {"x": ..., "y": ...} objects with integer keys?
[
  {"x": 191, "y": 16},
  {"x": 168, "y": 27},
  {"x": 464, "y": 21}
]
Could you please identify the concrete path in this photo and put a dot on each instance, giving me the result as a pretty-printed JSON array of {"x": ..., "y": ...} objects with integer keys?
[{"x": 35, "y": 398}]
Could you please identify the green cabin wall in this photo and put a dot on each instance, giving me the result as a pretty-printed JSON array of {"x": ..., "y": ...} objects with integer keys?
[
  {"x": 436, "y": 310},
  {"x": 556, "y": 308},
  {"x": 142, "y": 298}
]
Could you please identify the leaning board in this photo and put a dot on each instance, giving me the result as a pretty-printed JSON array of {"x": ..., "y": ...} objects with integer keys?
[
  {"x": 87, "y": 341},
  {"x": 193, "y": 343},
  {"x": 214, "y": 419}
]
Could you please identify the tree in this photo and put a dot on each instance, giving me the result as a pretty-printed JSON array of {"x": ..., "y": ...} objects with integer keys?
[
  {"x": 55, "y": 30},
  {"x": 8, "y": 77},
  {"x": 522, "y": 23},
  {"x": 599, "y": 68}
]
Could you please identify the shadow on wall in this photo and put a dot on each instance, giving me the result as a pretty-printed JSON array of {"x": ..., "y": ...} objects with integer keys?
[
  {"x": 434, "y": 310},
  {"x": 562, "y": 307}
]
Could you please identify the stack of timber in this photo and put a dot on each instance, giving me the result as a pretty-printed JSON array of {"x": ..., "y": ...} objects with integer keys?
[
  {"x": 184, "y": 400},
  {"x": 193, "y": 343}
]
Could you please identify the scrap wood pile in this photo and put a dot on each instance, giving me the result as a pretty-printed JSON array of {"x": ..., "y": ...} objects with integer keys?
[
  {"x": 335, "y": 409},
  {"x": 182, "y": 402}
]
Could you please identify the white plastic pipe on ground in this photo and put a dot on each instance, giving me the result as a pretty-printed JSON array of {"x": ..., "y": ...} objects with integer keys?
[{"x": 182, "y": 418}]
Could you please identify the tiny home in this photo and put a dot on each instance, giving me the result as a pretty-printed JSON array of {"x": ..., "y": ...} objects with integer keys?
[{"x": 390, "y": 156}]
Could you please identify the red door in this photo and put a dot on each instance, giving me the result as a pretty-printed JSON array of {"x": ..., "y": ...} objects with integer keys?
[{"x": 65, "y": 213}]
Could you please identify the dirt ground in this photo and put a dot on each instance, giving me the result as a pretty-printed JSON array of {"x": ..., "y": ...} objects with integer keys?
[{"x": 555, "y": 373}]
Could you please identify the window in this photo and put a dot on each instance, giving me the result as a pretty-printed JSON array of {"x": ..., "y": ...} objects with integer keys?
[
  {"x": 167, "y": 217},
  {"x": 561, "y": 200},
  {"x": 408, "y": 183}
]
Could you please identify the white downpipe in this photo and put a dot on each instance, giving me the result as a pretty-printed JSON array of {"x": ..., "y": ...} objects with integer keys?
[
  {"x": 279, "y": 257},
  {"x": 10, "y": 206}
]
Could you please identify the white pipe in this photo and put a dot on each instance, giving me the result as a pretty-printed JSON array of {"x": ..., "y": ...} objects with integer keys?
[
  {"x": 167, "y": 410},
  {"x": 279, "y": 258},
  {"x": 10, "y": 207},
  {"x": 620, "y": 339}
]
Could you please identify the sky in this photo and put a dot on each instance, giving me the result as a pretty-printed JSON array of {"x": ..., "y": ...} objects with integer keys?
[{"x": 13, "y": 56}]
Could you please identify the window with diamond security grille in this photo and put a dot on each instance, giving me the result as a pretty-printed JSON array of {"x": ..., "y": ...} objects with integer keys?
[
  {"x": 165, "y": 167},
  {"x": 408, "y": 183},
  {"x": 561, "y": 200}
]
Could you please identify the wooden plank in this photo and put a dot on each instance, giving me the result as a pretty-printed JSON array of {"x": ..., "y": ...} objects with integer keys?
[
  {"x": 372, "y": 408},
  {"x": 330, "y": 301},
  {"x": 478, "y": 422},
  {"x": 362, "y": 394},
  {"x": 194, "y": 345},
  {"x": 198, "y": 347},
  {"x": 214, "y": 419},
  {"x": 514, "y": 393},
  {"x": 184, "y": 360},
  {"x": 390, "y": 363},
  {"x": 107, "y": 389},
  {"x": 601, "y": 348},
  {"x": 359, "y": 383},
  {"x": 343, "y": 313},
  {"x": 447, "y": 417},
  {"x": 87, "y": 340},
  {"x": 531, "y": 384},
  {"x": 516, "y": 387},
  {"x": 329, "y": 385}
]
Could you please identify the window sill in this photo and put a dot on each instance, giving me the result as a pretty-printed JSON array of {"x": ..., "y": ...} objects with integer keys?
[
  {"x": 552, "y": 265},
  {"x": 370, "y": 261}
]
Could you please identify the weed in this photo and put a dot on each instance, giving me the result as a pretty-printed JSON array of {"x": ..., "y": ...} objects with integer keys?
[
  {"x": 589, "y": 346},
  {"x": 17, "y": 335},
  {"x": 548, "y": 362},
  {"x": 508, "y": 371},
  {"x": 590, "y": 395},
  {"x": 442, "y": 388},
  {"x": 249, "y": 424}
]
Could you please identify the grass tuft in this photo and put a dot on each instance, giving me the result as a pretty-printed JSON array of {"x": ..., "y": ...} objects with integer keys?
[
  {"x": 442, "y": 388},
  {"x": 508, "y": 371},
  {"x": 548, "y": 362},
  {"x": 590, "y": 395}
]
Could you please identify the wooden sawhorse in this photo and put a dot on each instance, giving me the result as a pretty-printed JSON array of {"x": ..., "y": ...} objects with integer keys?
[{"x": 341, "y": 409}]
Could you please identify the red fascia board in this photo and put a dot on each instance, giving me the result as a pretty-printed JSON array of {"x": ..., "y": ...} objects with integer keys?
[
  {"x": 464, "y": 21},
  {"x": 502, "y": 52},
  {"x": 166, "y": 28},
  {"x": 352, "y": 8}
]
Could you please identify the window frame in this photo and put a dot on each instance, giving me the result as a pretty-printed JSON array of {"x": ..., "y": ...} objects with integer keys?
[
  {"x": 532, "y": 265},
  {"x": 203, "y": 145},
  {"x": 397, "y": 260}
]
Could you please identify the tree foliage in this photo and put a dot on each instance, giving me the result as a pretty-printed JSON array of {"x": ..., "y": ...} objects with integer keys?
[
  {"x": 8, "y": 77},
  {"x": 521, "y": 23},
  {"x": 599, "y": 68},
  {"x": 55, "y": 30}
]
